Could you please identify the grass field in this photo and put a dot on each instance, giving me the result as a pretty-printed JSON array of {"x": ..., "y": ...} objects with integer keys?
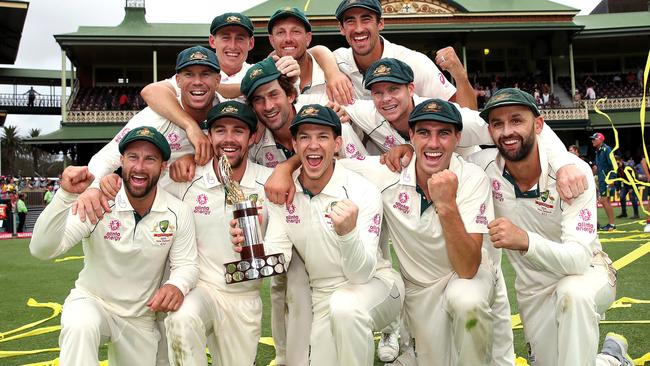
[{"x": 23, "y": 277}]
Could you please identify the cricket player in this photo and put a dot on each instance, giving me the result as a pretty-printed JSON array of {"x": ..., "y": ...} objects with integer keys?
[
  {"x": 603, "y": 166},
  {"x": 231, "y": 313},
  {"x": 565, "y": 282},
  {"x": 334, "y": 224},
  {"x": 360, "y": 22},
  {"x": 119, "y": 287}
]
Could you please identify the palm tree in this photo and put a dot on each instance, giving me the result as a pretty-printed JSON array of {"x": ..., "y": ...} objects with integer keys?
[
  {"x": 36, "y": 152},
  {"x": 12, "y": 146}
]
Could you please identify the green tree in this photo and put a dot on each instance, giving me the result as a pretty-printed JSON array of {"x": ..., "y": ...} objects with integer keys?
[
  {"x": 36, "y": 152},
  {"x": 12, "y": 147}
]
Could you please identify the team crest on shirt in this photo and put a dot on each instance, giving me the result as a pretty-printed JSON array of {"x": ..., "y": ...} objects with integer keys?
[
  {"x": 401, "y": 203},
  {"x": 202, "y": 207},
  {"x": 328, "y": 214},
  {"x": 496, "y": 190},
  {"x": 353, "y": 153},
  {"x": 481, "y": 218},
  {"x": 292, "y": 218},
  {"x": 163, "y": 233},
  {"x": 375, "y": 227},
  {"x": 545, "y": 203},
  {"x": 585, "y": 223},
  {"x": 114, "y": 234},
  {"x": 173, "y": 139}
]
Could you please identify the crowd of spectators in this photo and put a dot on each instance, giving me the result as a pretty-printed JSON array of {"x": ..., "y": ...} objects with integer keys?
[
  {"x": 25, "y": 184},
  {"x": 485, "y": 88},
  {"x": 619, "y": 85},
  {"x": 104, "y": 98}
]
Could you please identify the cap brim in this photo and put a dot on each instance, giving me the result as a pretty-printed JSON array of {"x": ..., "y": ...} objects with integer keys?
[
  {"x": 390, "y": 79},
  {"x": 313, "y": 121},
  {"x": 435, "y": 118},
  {"x": 261, "y": 81},
  {"x": 485, "y": 112},
  {"x": 195, "y": 62},
  {"x": 287, "y": 14},
  {"x": 250, "y": 31},
  {"x": 340, "y": 16}
]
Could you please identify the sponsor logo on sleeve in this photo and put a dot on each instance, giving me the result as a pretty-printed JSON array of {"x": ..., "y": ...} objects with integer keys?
[
  {"x": 481, "y": 219},
  {"x": 120, "y": 135},
  {"x": 584, "y": 222},
  {"x": 375, "y": 227},
  {"x": 173, "y": 140},
  {"x": 352, "y": 152},
  {"x": 389, "y": 141}
]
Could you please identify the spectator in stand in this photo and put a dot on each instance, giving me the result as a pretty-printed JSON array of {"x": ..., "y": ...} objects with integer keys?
[
  {"x": 22, "y": 212},
  {"x": 625, "y": 189},
  {"x": 31, "y": 96},
  {"x": 573, "y": 149},
  {"x": 47, "y": 197},
  {"x": 124, "y": 101},
  {"x": 546, "y": 96},
  {"x": 494, "y": 88},
  {"x": 630, "y": 78},
  {"x": 590, "y": 93},
  {"x": 577, "y": 97},
  {"x": 639, "y": 75}
]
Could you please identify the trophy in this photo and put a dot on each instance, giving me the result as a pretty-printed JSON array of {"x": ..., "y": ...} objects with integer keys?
[{"x": 254, "y": 263}]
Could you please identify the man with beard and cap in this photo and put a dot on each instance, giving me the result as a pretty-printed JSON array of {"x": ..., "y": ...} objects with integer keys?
[
  {"x": 230, "y": 314},
  {"x": 119, "y": 288},
  {"x": 564, "y": 280},
  {"x": 604, "y": 165},
  {"x": 334, "y": 224}
]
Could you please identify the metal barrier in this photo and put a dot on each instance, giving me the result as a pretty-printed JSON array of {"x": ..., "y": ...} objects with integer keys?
[{"x": 22, "y": 100}]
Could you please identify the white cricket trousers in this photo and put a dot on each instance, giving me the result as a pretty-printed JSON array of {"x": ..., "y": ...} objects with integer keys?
[
  {"x": 561, "y": 320},
  {"x": 291, "y": 314},
  {"x": 232, "y": 321},
  {"x": 86, "y": 324},
  {"x": 451, "y": 321},
  {"x": 344, "y": 322}
]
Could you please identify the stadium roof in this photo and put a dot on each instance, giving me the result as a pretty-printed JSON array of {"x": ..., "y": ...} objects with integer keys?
[
  {"x": 620, "y": 24},
  {"x": 12, "y": 20},
  {"x": 30, "y": 76},
  {"x": 77, "y": 134}
]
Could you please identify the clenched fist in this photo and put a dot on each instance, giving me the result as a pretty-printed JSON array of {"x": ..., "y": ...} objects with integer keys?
[
  {"x": 505, "y": 234},
  {"x": 344, "y": 216},
  {"x": 442, "y": 188},
  {"x": 75, "y": 179}
]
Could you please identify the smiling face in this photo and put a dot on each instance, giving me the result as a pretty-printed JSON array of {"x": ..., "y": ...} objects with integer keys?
[
  {"x": 513, "y": 130},
  {"x": 434, "y": 144},
  {"x": 198, "y": 83},
  {"x": 272, "y": 105},
  {"x": 361, "y": 29},
  {"x": 393, "y": 101},
  {"x": 142, "y": 165},
  {"x": 231, "y": 137},
  {"x": 316, "y": 146},
  {"x": 290, "y": 38},
  {"x": 231, "y": 45}
]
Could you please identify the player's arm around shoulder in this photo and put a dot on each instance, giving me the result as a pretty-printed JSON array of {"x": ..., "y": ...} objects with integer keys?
[{"x": 183, "y": 255}]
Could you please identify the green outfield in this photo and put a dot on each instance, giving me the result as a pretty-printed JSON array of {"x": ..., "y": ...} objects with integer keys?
[{"x": 23, "y": 277}]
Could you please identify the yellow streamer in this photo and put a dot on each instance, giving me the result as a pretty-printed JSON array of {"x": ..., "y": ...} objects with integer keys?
[
  {"x": 306, "y": 6},
  {"x": 56, "y": 310},
  {"x": 31, "y": 333},
  {"x": 642, "y": 360},
  {"x": 5, "y": 354},
  {"x": 630, "y": 175},
  {"x": 71, "y": 258},
  {"x": 632, "y": 256}
]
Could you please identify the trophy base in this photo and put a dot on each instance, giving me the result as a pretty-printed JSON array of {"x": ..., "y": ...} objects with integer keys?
[{"x": 254, "y": 268}]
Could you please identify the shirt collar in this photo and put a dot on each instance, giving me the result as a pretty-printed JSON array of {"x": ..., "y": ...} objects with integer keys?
[
  {"x": 317, "y": 74},
  {"x": 542, "y": 183},
  {"x": 334, "y": 188},
  {"x": 122, "y": 202}
]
